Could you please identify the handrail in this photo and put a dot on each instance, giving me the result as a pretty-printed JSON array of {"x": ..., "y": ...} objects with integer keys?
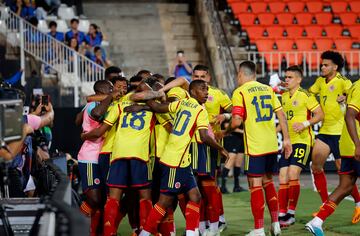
[
  {"x": 226, "y": 57},
  {"x": 72, "y": 67}
]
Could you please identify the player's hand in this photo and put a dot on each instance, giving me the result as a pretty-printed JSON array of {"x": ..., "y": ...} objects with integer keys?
[
  {"x": 219, "y": 119},
  {"x": 134, "y": 108},
  {"x": 287, "y": 148},
  {"x": 224, "y": 153},
  {"x": 298, "y": 127},
  {"x": 341, "y": 98},
  {"x": 219, "y": 134},
  {"x": 357, "y": 153}
]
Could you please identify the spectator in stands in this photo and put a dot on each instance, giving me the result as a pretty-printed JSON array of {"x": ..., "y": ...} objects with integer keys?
[
  {"x": 78, "y": 6},
  {"x": 34, "y": 36},
  {"x": 74, "y": 32},
  {"x": 94, "y": 36},
  {"x": 182, "y": 68},
  {"x": 54, "y": 33},
  {"x": 53, "y": 6},
  {"x": 100, "y": 58}
]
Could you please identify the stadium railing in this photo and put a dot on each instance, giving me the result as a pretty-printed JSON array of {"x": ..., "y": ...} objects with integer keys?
[{"x": 73, "y": 68}]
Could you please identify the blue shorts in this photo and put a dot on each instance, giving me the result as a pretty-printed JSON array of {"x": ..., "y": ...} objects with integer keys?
[
  {"x": 261, "y": 165},
  {"x": 201, "y": 160},
  {"x": 124, "y": 173},
  {"x": 350, "y": 166},
  {"x": 176, "y": 180},
  {"x": 90, "y": 176},
  {"x": 332, "y": 141},
  {"x": 104, "y": 163},
  {"x": 299, "y": 156}
]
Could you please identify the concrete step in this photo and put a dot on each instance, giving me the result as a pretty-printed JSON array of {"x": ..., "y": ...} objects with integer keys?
[
  {"x": 97, "y": 10},
  {"x": 171, "y": 8}
]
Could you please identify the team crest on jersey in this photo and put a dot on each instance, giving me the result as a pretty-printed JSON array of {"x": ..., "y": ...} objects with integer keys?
[
  {"x": 96, "y": 181},
  {"x": 177, "y": 185},
  {"x": 210, "y": 98},
  {"x": 295, "y": 103},
  {"x": 332, "y": 88}
]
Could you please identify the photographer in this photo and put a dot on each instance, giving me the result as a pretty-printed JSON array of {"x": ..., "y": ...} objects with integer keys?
[{"x": 182, "y": 67}]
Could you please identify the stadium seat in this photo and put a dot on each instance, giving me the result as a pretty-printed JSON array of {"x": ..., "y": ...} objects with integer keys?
[
  {"x": 304, "y": 44},
  {"x": 324, "y": 44},
  {"x": 343, "y": 44},
  {"x": 246, "y": 19},
  {"x": 323, "y": 18},
  {"x": 353, "y": 59},
  {"x": 296, "y": 6},
  {"x": 314, "y": 6},
  {"x": 285, "y": 19},
  {"x": 294, "y": 58},
  {"x": 84, "y": 26},
  {"x": 354, "y": 30},
  {"x": 334, "y": 31},
  {"x": 338, "y": 6},
  {"x": 304, "y": 18},
  {"x": 277, "y": 7},
  {"x": 314, "y": 31},
  {"x": 275, "y": 31},
  {"x": 273, "y": 60},
  {"x": 348, "y": 18},
  {"x": 258, "y": 7},
  {"x": 284, "y": 45},
  {"x": 355, "y": 6},
  {"x": 255, "y": 32},
  {"x": 266, "y": 18},
  {"x": 313, "y": 60},
  {"x": 61, "y": 26},
  {"x": 294, "y": 31},
  {"x": 265, "y": 45},
  {"x": 239, "y": 7},
  {"x": 42, "y": 26},
  {"x": 66, "y": 13}
]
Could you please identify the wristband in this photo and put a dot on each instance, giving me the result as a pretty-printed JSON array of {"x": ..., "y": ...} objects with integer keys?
[
  {"x": 227, "y": 116},
  {"x": 306, "y": 123}
]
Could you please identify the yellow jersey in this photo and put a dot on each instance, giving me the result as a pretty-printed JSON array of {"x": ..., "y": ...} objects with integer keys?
[
  {"x": 217, "y": 102},
  {"x": 132, "y": 139},
  {"x": 259, "y": 102},
  {"x": 328, "y": 92},
  {"x": 190, "y": 117},
  {"x": 346, "y": 145},
  {"x": 298, "y": 108},
  {"x": 178, "y": 93},
  {"x": 110, "y": 135}
]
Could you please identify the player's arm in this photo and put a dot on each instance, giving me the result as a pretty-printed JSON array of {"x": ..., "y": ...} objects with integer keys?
[
  {"x": 178, "y": 82},
  {"x": 100, "y": 110},
  {"x": 285, "y": 132},
  {"x": 158, "y": 107},
  {"x": 79, "y": 118},
  {"x": 318, "y": 115},
  {"x": 96, "y": 97},
  {"x": 206, "y": 138},
  {"x": 96, "y": 133},
  {"x": 350, "y": 119}
]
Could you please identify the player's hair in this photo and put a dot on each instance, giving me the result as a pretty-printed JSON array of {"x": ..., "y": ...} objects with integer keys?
[
  {"x": 248, "y": 68},
  {"x": 168, "y": 80},
  {"x": 335, "y": 57},
  {"x": 100, "y": 85},
  {"x": 201, "y": 68},
  {"x": 159, "y": 77},
  {"x": 135, "y": 78},
  {"x": 113, "y": 80},
  {"x": 112, "y": 70},
  {"x": 74, "y": 20},
  {"x": 144, "y": 74},
  {"x": 295, "y": 68},
  {"x": 195, "y": 84},
  {"x": 151, "y": 81}
]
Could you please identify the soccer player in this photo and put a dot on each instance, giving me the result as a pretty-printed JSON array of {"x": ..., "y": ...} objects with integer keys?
[
  {"x": 88, "y": 155},
  {"x": 254, "y": 104},
  {"x": 177, "y": 176},
  {"x": 298, "y": 104},
  {"x": 350, "y": 163},
  {"x": 331, "y": 88}
]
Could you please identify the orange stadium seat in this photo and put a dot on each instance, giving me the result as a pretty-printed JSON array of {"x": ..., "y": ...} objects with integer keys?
[
  {"x": 284, "y": 45},
  {"x": 348, "y": 18},
  {"x": 314, "y": 31},
  {"x": 239, "y": 7},
  {"x": 334, "y": 31},
  {"x": 294, "y": 31},
  {"x": 265, "y": 45},
  {"x": 323, "y": 18},
  {"x": 266, "y": 18},
  {"x": 304, "y": 18},
  {"x": 246, "y": 19},
  {"x": 313, "y": 60},
  {"x": 343, "y": 44},
  {"x": 324, "y": 44},
  {"x": 275, "y": 31},
  {"x": 255, "y": 32},
  {"x": 285, "y": 18},
  {"x": 353, "y": 59},
  {"x": 338, "y": 6},
  {"x": 314, "y": 6},
  {"x": 296, "y": 6},
  {"x": 355, "y": 6},
  {"x": 354, "y": 30},
  {"x": 277, "y": 7},
  {"x": 294, "y": 58},
  {"x": 273, "y": 60},
  {"x": 258, "y": 7},
  {"x": 304, "y": 44}
]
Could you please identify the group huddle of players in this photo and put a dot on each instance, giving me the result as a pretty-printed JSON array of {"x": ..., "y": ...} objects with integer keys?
[{"x": 151, "y": 145}]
